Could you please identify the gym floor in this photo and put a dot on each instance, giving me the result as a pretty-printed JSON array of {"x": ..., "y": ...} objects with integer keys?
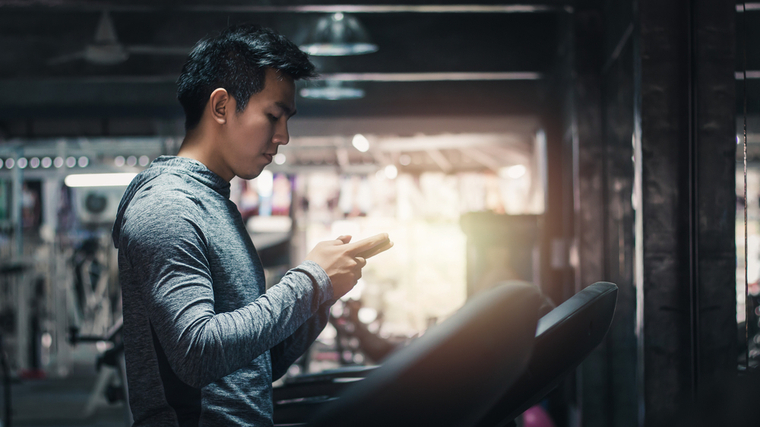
[{"x": 53, "y": 402}]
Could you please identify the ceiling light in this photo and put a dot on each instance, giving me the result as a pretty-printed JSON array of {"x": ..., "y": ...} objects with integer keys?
[
  {"x": 47, "y": 162},
  {"x": 331, "y": 90},
  {"x": 338, "y": 35},
  {"x": 279, "y": 159},
  {"x": 360, "y": 142},
  {"x": 265, "y": 183},
  {"x": 99, "y": 179},
  {"x": 391, "y": 172},
  {"x": 514, "y": 172},
  {"x": 22, "y": 162}
]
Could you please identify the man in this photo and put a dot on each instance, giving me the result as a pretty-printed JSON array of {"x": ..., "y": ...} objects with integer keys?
[{"x": 203, "y": 341}]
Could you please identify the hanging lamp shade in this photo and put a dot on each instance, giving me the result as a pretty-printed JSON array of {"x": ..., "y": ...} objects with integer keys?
[
  {"x": 332, "y": 90},
  {"x": 338, "y": 34}
]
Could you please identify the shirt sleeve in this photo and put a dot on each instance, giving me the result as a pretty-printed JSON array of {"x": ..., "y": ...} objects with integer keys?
[
  {"x": 289, "y": 350},
  {"x": 167, "y": 253}
]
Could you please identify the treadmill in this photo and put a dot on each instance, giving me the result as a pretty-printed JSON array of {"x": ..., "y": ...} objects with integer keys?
[{"x": 482, "y": 367}]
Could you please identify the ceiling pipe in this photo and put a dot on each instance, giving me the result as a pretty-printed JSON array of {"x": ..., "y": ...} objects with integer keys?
[
  {"x": 345, "y": 8},
  {"x": 345, "y": 77},
  {"x": 431, "y": 77}
]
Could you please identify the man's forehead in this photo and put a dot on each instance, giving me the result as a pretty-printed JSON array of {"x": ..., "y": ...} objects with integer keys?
[{"x": 281, "y": 87}]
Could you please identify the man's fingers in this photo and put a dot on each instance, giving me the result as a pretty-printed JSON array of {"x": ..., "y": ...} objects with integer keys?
[
  {"x": 368, "y": 243},
  {"x": 344, "y": 238},
  {"x": 376, "y": 250}
]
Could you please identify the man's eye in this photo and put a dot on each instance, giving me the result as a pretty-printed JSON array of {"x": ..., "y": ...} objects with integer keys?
[{"x": 272, "y": 118}]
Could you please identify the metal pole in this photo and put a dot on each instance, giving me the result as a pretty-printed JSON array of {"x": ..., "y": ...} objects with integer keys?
[
  {"x": 6, "y": 385},
  {"x": 22, "y": 313}
]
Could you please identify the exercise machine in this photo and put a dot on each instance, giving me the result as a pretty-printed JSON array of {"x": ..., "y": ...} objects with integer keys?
[{"x": 445, "y": 392}]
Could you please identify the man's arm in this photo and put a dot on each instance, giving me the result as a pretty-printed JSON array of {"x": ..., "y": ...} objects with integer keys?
[
  {"x": 167, "y": 254},
  {"x": 288, "y": 351}
]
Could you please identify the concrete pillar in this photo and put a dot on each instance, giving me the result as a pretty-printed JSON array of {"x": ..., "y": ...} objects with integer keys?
[{"x": 685, "y": 206}]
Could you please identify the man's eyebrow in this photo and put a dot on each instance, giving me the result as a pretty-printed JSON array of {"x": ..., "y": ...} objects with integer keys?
[{"x": 286, "y": 109}]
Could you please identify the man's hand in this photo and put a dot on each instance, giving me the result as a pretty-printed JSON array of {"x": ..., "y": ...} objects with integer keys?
[{"x": 343, "y": 261}]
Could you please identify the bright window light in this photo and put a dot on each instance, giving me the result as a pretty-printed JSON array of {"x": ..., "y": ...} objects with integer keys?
[
  {"x": 99, "y": 179},
  {"x": 360, "y": 142}
]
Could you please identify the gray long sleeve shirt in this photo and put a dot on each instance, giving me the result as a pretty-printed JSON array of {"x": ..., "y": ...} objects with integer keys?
[{"x": 203, "y": 338}]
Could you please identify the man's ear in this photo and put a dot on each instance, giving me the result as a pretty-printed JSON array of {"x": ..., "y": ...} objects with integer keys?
[{"x": 219, "y": 105}]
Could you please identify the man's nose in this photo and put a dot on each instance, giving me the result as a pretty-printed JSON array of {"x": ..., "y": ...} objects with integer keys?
[{"x": 281, "y": 136}]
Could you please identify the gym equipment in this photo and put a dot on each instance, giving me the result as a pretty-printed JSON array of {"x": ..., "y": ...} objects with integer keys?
[
  {"x": 450, "y": 376},
  {"x": 563, "y": 338},
  {"x": 113, "y": 358}
]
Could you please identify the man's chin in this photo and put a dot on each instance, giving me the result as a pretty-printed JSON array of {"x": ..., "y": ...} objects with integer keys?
[{"x": 247, "y": 175}]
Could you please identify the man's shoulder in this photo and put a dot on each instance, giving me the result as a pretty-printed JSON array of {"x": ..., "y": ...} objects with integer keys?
[
  {"x": 164, "y": 195},
  {"x": 167, "y": 187}
]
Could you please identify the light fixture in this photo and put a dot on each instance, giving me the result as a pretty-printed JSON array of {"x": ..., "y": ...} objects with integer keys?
[
  {"x": 332, "y": 90},
  {"x": 280, "y": 158},
  {"x": 338, "y": 35},
  {"x": 265, "y": 183},
  {"x": 360, "y": 142},
  {"x": 391, "y": 172},
  {"x": 99, "y": 179},
  {"x": 514, "y": 172}
]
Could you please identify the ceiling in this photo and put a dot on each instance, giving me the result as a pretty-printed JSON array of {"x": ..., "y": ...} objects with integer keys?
[
  {"x": 517, "y": 40},
  {"x": 436, "y": 65}
]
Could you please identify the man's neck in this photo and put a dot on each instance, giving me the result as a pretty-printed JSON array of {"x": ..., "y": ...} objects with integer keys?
[{"x": 199, "y": 146}]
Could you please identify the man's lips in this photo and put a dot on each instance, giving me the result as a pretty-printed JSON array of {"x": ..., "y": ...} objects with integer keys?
[{"x": 269, "y": 156}]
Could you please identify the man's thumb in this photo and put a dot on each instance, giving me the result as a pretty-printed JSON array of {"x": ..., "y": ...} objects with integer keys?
[{"x": 344, "y": 238}]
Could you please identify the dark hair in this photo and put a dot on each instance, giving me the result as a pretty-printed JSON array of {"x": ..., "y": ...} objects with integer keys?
[{"x": 236, "y": 60}]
